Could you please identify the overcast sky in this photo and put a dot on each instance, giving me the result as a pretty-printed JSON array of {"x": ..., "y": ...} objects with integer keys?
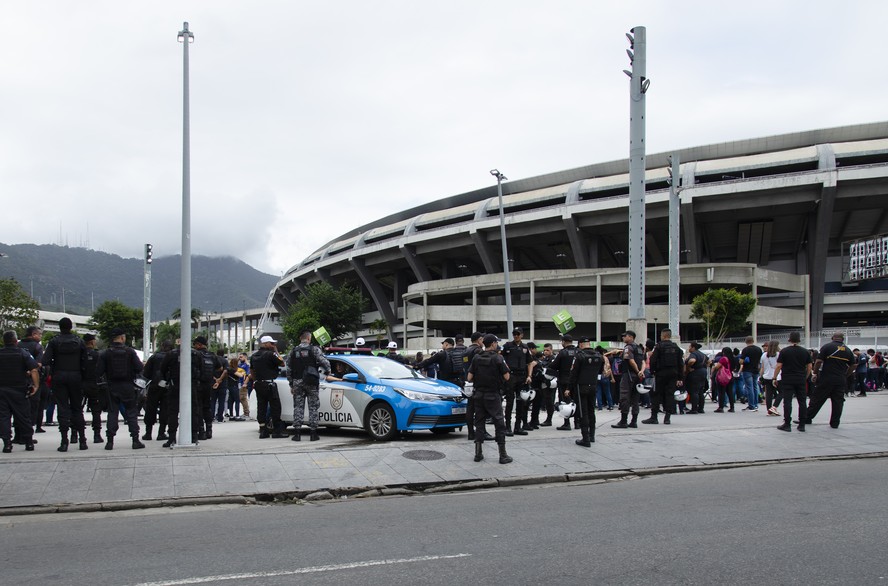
[{"x": 309, "y": 119}]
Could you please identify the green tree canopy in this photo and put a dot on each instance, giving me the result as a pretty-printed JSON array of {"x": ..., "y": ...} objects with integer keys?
[
  {"x": 17, "y": 309},
  {"x": 167, "y": 331},
  {"x": 723, "y": 311},
  {"x": 114, "y": 314},
  {"x": 337, "y": 309}
]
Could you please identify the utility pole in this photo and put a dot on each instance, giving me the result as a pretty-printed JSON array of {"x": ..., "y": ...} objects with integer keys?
[
  {"x": 507, "y": 286},
  {"x": 674, "y": 244},
  {"x": 146, "y": 313},
  {"x": 638, "y": 87}
]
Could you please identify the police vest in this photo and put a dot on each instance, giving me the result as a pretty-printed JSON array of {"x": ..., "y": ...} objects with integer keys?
[
  {"x": 515, "y": 355},
  {"x": 485, "y": 371},
  {"x": 563, "y": 362},
  {"x": 13, "y": 366},
  {"x": 263, "y": 364},
  {"x": 152, "y": 367},
  {"x": 637, "y": 354},
  {"x": 206, "y": 367},
  {"x": 89, "y": 366},
  {"x": 66, "y": 353},
  {"x": 458, "y": 362},
  {"x": 669, "y": 356},
  {"x": 118, "y": 365},
  {"x": 590, "y": 363},
  {"x": 303, "y": 363}
]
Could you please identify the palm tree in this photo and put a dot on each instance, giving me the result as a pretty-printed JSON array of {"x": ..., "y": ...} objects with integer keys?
[{"x": 195, "y": 315}]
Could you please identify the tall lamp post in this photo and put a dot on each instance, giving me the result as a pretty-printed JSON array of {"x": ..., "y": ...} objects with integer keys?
[
  {"x": 499, "y": 190},
  {"x": 185, "y": 37},
  {"x": 146, "y": 314}
]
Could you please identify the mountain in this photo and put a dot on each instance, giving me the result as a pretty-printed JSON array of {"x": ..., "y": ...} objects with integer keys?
[{"x": 90, "y": 277}]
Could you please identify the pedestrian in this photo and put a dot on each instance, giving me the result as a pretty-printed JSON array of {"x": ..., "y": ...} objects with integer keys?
[
  {"x": 667, "y": 366},
  {"x": 235, "y": 383},
  {"x": 831, "y": 369},
  {"x": 488, "y": 372},
  {"x": 768, "y": 365},
  {"x": 545, "y": 387},
  {"x": 561, "y": 365},
  {"x": 171, "y": 372},
  {"x": 632, "y": 365},
  {"x": 246, "y": 387},
  {"x": 392, "y": 354},
  {"x": 95, "y": 392},
  {"x": 265, "y": 365},
  {"x": 210, "y": 374},
  {"x": 723, "y": 380},
  {"x": 520, "y": 362},
  {"x": 38, "y": 400},
  {"x": 64, "y": 358},
  {"x": 120, "y": 364},
  {"x": 860, "y": 372},
  {"x": 584, "y": 374},
  {"x": 793, "y": 369},
  {"x": 474, "y": 349},
  {"x": 19, "y": 379},
  {"x": 750, "y": 359},
  {"x": 155, "y": 400},
  {"x": 305, "y": 364},
  {"x": 605, "y": 382},
  {"x": 695, "y": 378}
]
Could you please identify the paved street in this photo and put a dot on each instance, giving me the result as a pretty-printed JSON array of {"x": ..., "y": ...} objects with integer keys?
[
  {"x": 236, "y": 462},
  {"x": 801, "y": 523}
]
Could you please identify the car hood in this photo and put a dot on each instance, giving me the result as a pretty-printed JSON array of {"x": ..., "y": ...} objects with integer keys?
[{"x": 425, "y": 385}]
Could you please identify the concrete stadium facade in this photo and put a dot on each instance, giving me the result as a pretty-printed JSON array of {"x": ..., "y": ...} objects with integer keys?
[{"x": 767, "y": 216}]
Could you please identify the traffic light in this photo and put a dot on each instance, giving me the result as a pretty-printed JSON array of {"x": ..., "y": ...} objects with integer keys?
[{"x": 148, "y": 253}]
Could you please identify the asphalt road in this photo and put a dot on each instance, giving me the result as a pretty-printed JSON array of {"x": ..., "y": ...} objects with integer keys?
[{"x": 808, "y": 523}]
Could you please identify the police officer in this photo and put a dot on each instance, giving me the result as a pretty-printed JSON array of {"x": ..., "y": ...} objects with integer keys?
[
  {"x": 695, "y": 378},
  {"x": 19, "y": 379},
  {"x": 545, "y": 390},
  {"x": 305, "y": 364},
  {"x": 633, "y": 365},
  {"x": 489, "y": 373},
  {"x": 38, "y": 400},
  {"x": 170, "y": 369},
  {"x": 584, "y": 374},
  {"x": 155, "y": 400},
  {"x": 120, "y": 364},
  {"x": 562, "y": 364},
  {"x": 667, "y": 365},
  {"x": 520, "y": 362},
  {"x": 392, "y": 354},
  {"x": 210, "y": 374},
  {"x": 834, "y": 364},
  {"x": 441, "y": 361},
  {"x": 265, "y": 364},
  {"x": 95, "y": 392},
  {"x": 473, "y": 350},
  {"x": 64, "y": 359}
]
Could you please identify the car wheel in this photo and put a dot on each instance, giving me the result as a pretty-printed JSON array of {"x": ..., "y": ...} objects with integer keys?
[
  {"x": 442, "y": 430},
  {"x": 380, "y": 422}
]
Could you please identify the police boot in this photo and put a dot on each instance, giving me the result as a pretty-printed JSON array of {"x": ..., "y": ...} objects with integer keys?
[
  {"x": 279, "y": 432},
  {"x": 74, "y": 436},
  {"x": 565, "y": 427},
  {"x": 147, "y": 435},
  {"x": 622, "y": 424},
  {"x": 7, "y": 446},
  {"x": 263, "y": 432},
  {"x": 584, "y": 441},
  {"x": 508, "y": 423},
  {"x": 171, "y": 440},
  {"x": 519, "y": 430},
  {"x": 109, "y": 445},
  {"x": 97, "y": 437},
  {"x": 504, "y": 457},
  {"x": 161, "y": 434},
  {"x": 313, "y": 435},
  {"x": 666, "y": 420},
  {"x": 634, "y": 422},
  {"x": 201, "y": 435},
  {"x": 137, "y": 445},
  {"x": 479, "y": 451},
  {"x": 652, "y": 419},
  {"x": 63, "y": 447},
  {"x": 297, "y": 435},
  {"x": 83, "y": 444},
  {"x": 209, "y": 432},
  {"x": 471, "y": 434},
  {"x": 29, "y": 445}
]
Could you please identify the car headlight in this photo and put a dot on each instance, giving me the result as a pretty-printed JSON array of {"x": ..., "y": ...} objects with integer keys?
[{"x": 416, "y": 396}]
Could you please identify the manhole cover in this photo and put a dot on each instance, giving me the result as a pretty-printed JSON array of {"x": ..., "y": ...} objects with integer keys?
[{"x": 423, "y": 455}]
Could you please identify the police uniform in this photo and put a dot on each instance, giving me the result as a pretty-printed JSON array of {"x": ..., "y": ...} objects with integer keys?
[
  {"x": 473, "y": 350},
  {"x": 170, "y": 370},
  {"x": 305, "y": 364},
  {"x": 517, "y": 357},
  {"x": 15, "y": 364},
  {"x": 155, "y": 399},
  {"x": 837, "y": 361},
  {"x": 264, "y": 368},
  {"x": 208, "y": 366},
  {"x": 488, "y": 372},
  {"x": 120, "y": 364},
  {"x": 562, "y": 364},
  {"x": 39, "y": 399},
  {"x": 667, "y": 363},
  {"x": 628, "y": 393},
  {"x": 64, "y": 358},
  {"x": 584, "y": 374},
  {"x": 95, "y": 393}
]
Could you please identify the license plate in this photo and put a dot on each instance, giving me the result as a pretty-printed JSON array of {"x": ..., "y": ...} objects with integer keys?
[{"x": 458, "y": 411}]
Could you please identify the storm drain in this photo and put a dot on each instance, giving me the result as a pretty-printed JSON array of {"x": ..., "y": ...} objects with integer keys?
[{"x": 423, "y": 455}]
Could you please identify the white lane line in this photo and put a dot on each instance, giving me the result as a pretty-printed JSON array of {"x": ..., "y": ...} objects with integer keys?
[{"x": 309, "y": 570}]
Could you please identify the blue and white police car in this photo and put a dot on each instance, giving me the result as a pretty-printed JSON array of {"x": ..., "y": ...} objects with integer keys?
[{"x": 383, "y": 397}]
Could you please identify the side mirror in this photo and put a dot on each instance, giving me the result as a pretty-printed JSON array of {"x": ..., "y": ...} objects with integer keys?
[{"x": 352, "y": 377}]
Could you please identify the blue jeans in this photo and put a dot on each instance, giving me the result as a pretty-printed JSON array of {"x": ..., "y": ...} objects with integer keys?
[
  {"x": 750, "y": 385},
  {"x": 604, "y": 394}
]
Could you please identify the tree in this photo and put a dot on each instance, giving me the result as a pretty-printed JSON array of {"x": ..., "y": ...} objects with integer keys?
[
  {"x": 723, "y": 311},
  {"x": 17, "y": 309},
  {"x": 380, "y": 327},
  {"x": 167, "y": 331},
  {"x": 339, "y": 310},
  {"x": 195, "y": 316},
  {"x": 114, "y": 314}
]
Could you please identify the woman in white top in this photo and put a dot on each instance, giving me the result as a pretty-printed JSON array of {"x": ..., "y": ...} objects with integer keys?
[{"x": 767, "y": 366}]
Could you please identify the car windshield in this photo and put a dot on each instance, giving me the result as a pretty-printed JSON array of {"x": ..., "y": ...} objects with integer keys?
[{"x": 383, "y": 368}]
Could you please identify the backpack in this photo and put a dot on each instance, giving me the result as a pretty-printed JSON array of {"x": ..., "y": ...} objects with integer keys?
[
  {"x": 670, "y": 356},
  {"x": 207, "y": 367},
  {"x": 458, "y": 361},
  {"x": 723, "y": 376},
  {"x": 118, "y": 363},
  {"x": 67, "y": 353},
  {"x": 617, "y": 367}
]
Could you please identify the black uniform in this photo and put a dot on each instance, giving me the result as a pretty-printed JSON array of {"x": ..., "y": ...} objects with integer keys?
[
  {"x": 15, "y": 364},
  {"x": 209, "y": 366},
  {"x": 120, "y": 364},
  {"x": 831, "y": 381},
  {"x": 695, "y": 380},
  {"x": 544, "y": 394},
  {"x": 264, "y": 367},
  {"x": 472, "y": 351},
  {"x": 95, "y": 392},
  {"x": 487, "y": 370},
  {"x": 628, "y": 393},
  {"x": 40, "y": 399},
  {"x": 517, "y": 357},
  {"x": 667, "y": 365},
  {"x": 155, "y": 399},
  {"x": 170, "y": 371},
  {"x": 562, "y": 363},
  {"x": 584, "y": 374},
  {"x": 65, "y": 358}
]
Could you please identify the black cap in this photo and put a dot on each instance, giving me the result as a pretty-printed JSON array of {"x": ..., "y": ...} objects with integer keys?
[
  {"x": 517, "y": 332},
  {"x": 448, "y": 341},
  {"x": 200, "y": 340},
  {"x": 459, "y": 338},
  {"x": 490, "y": 339},
  {"x": 628, "y": 333},
  {"x": 116, "y": 332},
  {"x": 88, "y": 337},
  {"x": 585, "y": 339},
  {"x": 567, "y": 338},
  {"x": 531, "y": 345},
  {"x": 475, "y": 336}
]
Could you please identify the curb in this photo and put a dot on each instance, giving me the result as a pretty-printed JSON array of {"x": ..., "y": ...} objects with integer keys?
[{"x": 334, "y": 494}]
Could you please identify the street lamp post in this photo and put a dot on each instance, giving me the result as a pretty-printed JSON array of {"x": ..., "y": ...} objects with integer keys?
[
  {"x": 185, "y": 37},
  {"x": 499, "y": 190},
  {"x": 146, "y": 315}
]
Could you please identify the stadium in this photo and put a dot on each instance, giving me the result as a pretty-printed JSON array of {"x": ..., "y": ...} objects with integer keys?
[{"x": 799, "y": 220}]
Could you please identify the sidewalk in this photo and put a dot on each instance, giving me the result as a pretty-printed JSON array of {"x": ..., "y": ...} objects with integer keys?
[{"x": 235, "y": 463}]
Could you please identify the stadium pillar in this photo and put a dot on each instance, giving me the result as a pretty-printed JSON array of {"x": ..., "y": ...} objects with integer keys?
[{"x": 674, "y": 244}]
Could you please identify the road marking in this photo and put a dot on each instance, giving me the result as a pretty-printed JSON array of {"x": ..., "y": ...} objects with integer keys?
[{"x": 308, "y": 570}]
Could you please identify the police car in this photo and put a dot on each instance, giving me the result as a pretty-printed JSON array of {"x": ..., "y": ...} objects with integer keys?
[{"x": 383, "y": 397}]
